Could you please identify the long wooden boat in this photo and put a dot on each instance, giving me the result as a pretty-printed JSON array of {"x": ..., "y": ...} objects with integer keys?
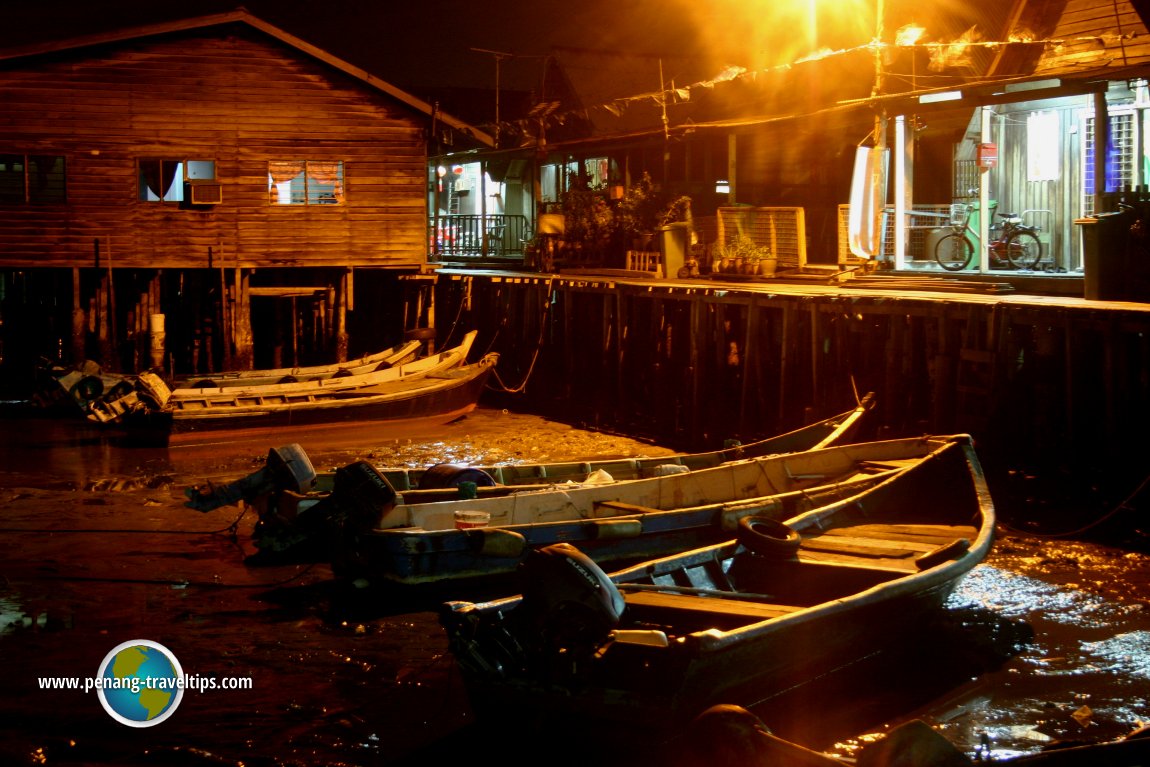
[
  {"x": 86, "y": 386},
  {"x": 293, "y": 498},
  {"x": 836, "y": 430},
  {"x": 490, "y": 479},
  {"x": 436, "y": 396},
  {"x": 426, "y": 543},
  {"x": 653, "y": 645},
  {"x": 148, "y": 391},
  {"x": 381, "y": 360},
  {"x": 362, "y": 383}
]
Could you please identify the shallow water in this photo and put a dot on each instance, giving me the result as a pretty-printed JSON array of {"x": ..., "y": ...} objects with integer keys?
[{"x": 1048, "y": 640}]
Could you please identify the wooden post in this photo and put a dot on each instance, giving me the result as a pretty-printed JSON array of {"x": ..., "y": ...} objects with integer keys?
[
  {"x": 293, "y": 304},
  {"x": 107, "y": 353},
  {"x": 747, "y": 361},
  {"x": 79, "y": 320},
  {"x": 1101, "y": 142},
  {"x": 788, "y": 311},
  {"x": 694, "y": 334},
  {"x": 245, "y": 345},
  {"x": 816, "y": 348},
  {"x": 225, "y": 321},
  {"x": 236, "y": 316},
  {"x": 342, "y": 299}
]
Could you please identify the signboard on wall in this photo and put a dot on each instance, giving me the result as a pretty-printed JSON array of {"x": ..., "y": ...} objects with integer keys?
[{"x": 987, "y": 156}]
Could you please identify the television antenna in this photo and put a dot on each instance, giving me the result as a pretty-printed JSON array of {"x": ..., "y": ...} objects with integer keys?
[{"x": 499, "y": 56}]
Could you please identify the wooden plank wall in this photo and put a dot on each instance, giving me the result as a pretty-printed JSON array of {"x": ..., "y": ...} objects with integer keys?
[
  {"x": 239, "y": 98},
  {"x": 1096, "y": 33},
  {"x": 1042, "y": 386}
]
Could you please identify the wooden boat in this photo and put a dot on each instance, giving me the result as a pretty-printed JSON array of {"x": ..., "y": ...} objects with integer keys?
[
  {"x": 653, "y": 645},
  {"x": 369, "y": 382},
  {"x": 381, "y": 360},
  {"x": 289, "y": 499},
  {"x": 490, "y": 479},
  {"x": 86, "y": 386},
  {"x": 149, "y": 392},
  {"x": 614, "y": 523},
  {"x": 836, "y": 430},
  {"x": 438, "y": 395}
]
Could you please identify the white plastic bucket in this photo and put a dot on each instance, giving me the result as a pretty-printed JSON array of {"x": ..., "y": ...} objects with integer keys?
[{"x": 465, "y": 520}]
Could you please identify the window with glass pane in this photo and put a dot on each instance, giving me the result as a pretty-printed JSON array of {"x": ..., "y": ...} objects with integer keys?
[
  {"x": 161, "y": 181},
  {"x": 11, "y": 179},
  {"x": 36, "y": 179},
  {"x": 1120, "y": 164},
  {"x": 305, "y": 182},
  {"x": 200, "y": 170}
]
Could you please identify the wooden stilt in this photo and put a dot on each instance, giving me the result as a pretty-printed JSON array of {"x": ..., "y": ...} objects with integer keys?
[
  {"x": 79, "y": 319},
  {"x": 245, "y": 341},
  {"x": 342, "y": 300}
]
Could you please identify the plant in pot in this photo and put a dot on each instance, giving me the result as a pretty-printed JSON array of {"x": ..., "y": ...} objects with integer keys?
[
  {"x": 638, "y": 214},
  {"x": 676, "y": 211},
  {"x": 588, "y": 223},
  {"x": 744, "y": 256},
  {"x": 766, "y": 262}
]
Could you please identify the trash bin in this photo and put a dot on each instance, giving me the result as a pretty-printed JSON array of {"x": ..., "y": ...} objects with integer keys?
[
  {"x": 1104, "y": 255},
  {"x": 675, "y": 242}
]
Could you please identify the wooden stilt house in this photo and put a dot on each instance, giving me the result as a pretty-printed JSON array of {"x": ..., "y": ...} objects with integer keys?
[{"x": 254, "y": 198}]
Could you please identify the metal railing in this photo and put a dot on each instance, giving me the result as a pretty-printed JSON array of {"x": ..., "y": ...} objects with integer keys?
[{"x": 496, "y": 235}]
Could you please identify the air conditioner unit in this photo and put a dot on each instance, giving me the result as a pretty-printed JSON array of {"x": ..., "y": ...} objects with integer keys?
[{"x": 205, "y": 194}]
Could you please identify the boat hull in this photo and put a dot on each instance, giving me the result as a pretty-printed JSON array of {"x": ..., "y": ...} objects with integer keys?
[
  {"x": 826, "y": 608},
  {"x": 836, "y": 430},
  {"x": 436, "y": 398},
  {"x": 615, "y": 522}
]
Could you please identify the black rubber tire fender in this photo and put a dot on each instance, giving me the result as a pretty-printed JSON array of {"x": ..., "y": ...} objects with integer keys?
[{"x": 767, "y": 536}]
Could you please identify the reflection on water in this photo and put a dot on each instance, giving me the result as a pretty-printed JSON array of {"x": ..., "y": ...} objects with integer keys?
[
  {"x": 1081, "y": 678},
  {"x": 1046, "y": 641},
  {"x": 13, "y": 617},
  {"x": 1127, "y": 653}
]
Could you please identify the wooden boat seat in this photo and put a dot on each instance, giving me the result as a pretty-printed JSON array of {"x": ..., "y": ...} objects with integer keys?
[
  {"x": 655, "y": 603},
  {"x": 902, "y": 548}
]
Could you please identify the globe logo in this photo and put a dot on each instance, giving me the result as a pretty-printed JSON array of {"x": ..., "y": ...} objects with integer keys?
[{"x": 140, "y": 683}]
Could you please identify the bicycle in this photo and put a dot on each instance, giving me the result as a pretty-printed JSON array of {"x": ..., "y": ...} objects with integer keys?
[{"x": 1017, "y": 243}]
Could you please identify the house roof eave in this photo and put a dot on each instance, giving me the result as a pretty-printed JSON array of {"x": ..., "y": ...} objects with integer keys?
[{"x": 245, "y": 17}]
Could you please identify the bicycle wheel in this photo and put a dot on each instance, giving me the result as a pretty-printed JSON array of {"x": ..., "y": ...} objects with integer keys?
[
  {"x": 1024, "y": 250},
  {"x": 953, "y": 252}
]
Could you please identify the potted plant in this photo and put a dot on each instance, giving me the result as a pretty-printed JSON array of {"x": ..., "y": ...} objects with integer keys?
[
  {"x": 588, "y": 223},
  {"x": 744, "y": 256},
  {"x": 676, "y": 211},
  {"x": 638, "y": 213}
]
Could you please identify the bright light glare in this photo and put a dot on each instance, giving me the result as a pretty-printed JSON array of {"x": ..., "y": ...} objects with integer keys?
[
  {"x": 909, "y": 35},
  {"x": 764, "y": 35}
]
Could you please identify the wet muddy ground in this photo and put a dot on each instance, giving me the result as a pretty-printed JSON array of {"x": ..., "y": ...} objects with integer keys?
[{"x": 1048, "y": 640}]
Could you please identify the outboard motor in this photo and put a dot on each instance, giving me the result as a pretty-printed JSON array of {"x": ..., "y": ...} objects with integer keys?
[
  {"x": 363, "y": 494},
  {"x": 359, "y": 497},
  {"x": 287, "y": 469},
  {"x": 568, "y": 601}
]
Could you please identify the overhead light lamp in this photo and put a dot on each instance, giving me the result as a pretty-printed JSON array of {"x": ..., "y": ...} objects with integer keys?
[
  {"x": 1033, "y": 85},
  {"x": 934, "y": 98}
]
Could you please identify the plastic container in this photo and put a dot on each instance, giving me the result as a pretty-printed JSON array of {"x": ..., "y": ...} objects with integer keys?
[{"x": 467, "y": 520}]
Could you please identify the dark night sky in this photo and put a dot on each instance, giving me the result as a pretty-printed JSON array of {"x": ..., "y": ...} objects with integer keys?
[{"x": 415, "y": 43}]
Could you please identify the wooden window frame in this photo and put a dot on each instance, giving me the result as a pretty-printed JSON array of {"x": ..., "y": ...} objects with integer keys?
[
  {"x": 309, "y": 187},
  {"x": 177, "y": 188},
  {"x": 26, "y": 192}
]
